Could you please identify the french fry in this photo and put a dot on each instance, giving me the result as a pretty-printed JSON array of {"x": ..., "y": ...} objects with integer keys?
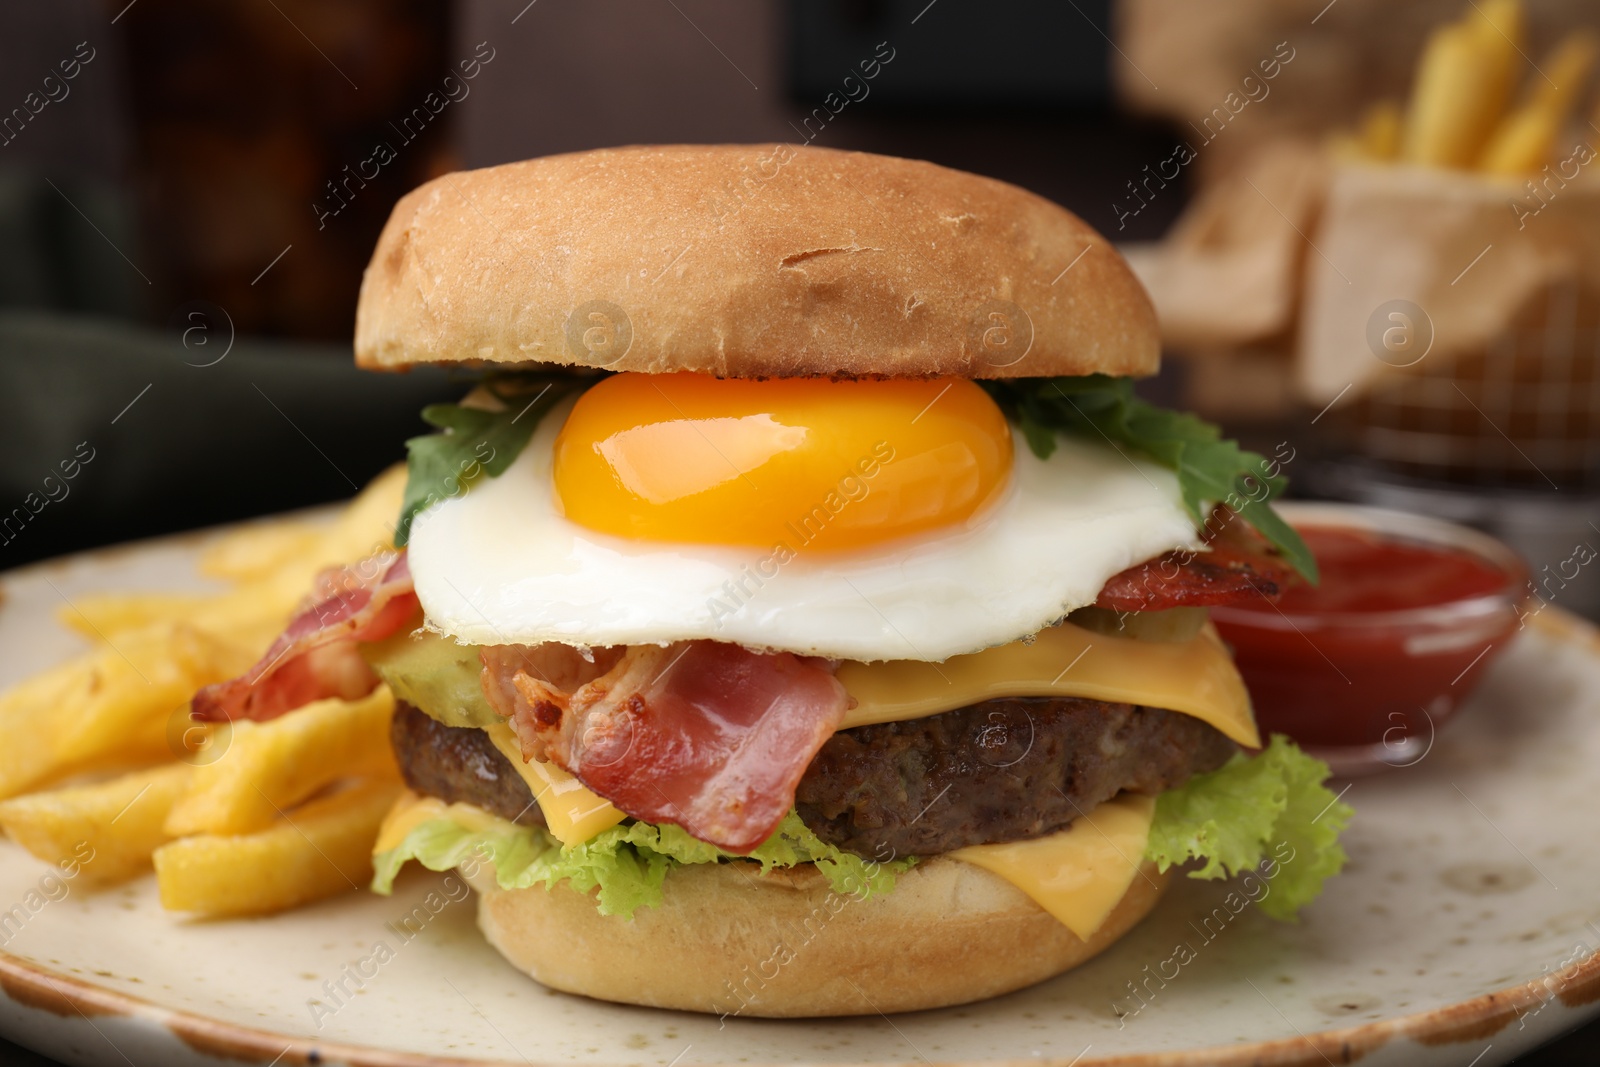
[
  {"x": 1499, "y": 28},
  {"x": 1463, "y": 82},
  {"x": 274, "y": 563},
  {"x": 111, "y": 706},
  {"x": 109, "y": 830},
  {"x": 40, "y": 717},
  {"x": 110, "y": 616},
  {"x": 32, "y": 724},
  {"x": 258, "y": 609},
  {"x": 270, "y": 767},
  {"x": 1381, "y": 129},
  {"x": 1442, "y": 100},
  {"x": 142, "y": 681},
  {"x": 88, "y": 710},
  {"x": 262, "y": 550},
  {"x": 263, "y": 606},
  {"x": 251, "y": 615},
  {"x": 1500, "y": 17},
  {"x": 259, "y": 548},
  {"x": 124, "y": 703},
  {"x": 154, "y": 741},
  {"x": 313, "y": 852},
  {"x": 36, "y": 716},
  {"x": 367, "y": 522},
  {"x": 254, "y": 614},
  {"x": 1526, "y": 138},
  {"x": 1524, "y": 141},
  {"x": 1567, "y": 70}
]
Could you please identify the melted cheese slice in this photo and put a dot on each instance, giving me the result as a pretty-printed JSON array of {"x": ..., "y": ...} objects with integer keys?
[
  {"x": 1079, "y": 874},
  {"x": 1195, "y": 677},
  {"x": 572, "y": 813},
  {"x": 410, "y": 810}
]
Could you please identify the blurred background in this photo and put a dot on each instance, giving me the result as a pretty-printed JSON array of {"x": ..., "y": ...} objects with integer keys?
[
  {"x": 1372, "y": 229},
  {"x": 1346, "y": 255}
]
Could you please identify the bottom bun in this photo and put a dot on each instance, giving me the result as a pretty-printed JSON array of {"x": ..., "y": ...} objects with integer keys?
[{"x": 728, "y": 940}]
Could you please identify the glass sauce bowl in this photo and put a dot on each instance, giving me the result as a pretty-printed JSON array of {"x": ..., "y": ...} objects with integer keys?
[{"x": 1364, "y": 669}]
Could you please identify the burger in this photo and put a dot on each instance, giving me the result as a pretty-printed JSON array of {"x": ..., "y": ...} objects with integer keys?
[{"x": 801, "y": 615}]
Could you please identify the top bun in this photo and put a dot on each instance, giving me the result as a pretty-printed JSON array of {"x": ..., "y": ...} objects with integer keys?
[{"x": 748, "y": 261}]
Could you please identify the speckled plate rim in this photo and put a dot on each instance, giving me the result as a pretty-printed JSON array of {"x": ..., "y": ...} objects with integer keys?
[
  {"x": 1482, "y": 1017},
  {"x": 40, "y": 989}
]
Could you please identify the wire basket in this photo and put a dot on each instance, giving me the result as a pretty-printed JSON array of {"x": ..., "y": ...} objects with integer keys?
[{"x": 1524, "y": 410}]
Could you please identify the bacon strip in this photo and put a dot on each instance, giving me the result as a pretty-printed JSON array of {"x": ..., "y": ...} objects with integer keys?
[
  {"x": 316, "y": 657},
  {"x": 705, "y": 735},
  {"x": 1240, "y": 568},
  {"x": 561, "y": 667}
]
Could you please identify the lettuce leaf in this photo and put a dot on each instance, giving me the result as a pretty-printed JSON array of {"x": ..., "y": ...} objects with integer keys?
[
  {"x": 627, "y": 864},
  {"x": 474, "y": 442},
  {"x": 1210, "y": 468},
  {"x": 1269, "y": 812}
]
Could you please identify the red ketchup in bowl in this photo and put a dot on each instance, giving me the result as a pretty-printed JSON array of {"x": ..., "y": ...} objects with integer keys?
[{"x": 1365, "y": 667}]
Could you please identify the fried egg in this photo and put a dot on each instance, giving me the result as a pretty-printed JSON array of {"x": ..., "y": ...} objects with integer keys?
[{"x": 869, "y": 520}]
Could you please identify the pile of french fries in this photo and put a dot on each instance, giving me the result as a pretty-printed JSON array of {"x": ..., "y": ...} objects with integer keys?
[
  {"x": 1462, "y": 114},
  {"x": 99, "y": 758}
]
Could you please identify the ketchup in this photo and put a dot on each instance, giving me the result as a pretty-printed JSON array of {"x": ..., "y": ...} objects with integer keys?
[
  {"x": 1366, "y": 572},
  {"x": 1383, "y": 650}
]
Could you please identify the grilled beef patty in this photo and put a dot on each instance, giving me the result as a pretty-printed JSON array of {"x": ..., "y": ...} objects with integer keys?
[
  {"x": 459, "y": 763},
  {"x": 999, "y": 770}
]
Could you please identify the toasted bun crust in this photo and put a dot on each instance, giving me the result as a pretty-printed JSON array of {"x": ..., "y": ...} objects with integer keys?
[
  {"x": 748, "y": 261},
  {"x": 782, "y": 945}
]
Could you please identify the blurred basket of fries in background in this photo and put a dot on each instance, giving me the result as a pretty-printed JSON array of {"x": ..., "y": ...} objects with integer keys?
[
  {"x": 102, "y": 768},
  {"x": 1479, "y": 221},
  {"x": 1348, "y": 57},
  {"x": 1411, "y": 266}
]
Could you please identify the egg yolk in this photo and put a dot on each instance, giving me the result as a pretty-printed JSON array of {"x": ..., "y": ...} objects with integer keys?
[{"x": 808, "y": 463}]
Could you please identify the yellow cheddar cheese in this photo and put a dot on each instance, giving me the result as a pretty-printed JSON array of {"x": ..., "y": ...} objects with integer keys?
[
  {"x": 410, "y": 810},
  {"x": 1195, "y": 677},
  {"x": 572, "y": 813},
  {"x": 1078, "y": 874}
]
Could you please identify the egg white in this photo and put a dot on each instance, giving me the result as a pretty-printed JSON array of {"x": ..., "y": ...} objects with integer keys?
[{"x": 500, "y": 565}]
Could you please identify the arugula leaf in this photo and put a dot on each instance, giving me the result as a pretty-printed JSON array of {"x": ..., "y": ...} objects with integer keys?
[
  {"x": 1210, "y": 469},
  {"x": 475, "y": 442},
  {"x": 1269, "y": 812}
]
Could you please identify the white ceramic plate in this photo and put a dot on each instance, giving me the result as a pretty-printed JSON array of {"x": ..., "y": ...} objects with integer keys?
[{"x": 1465, "y": 926}]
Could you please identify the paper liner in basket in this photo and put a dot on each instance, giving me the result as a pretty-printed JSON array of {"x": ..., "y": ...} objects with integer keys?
[{"x": 1467, "y": 250}]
